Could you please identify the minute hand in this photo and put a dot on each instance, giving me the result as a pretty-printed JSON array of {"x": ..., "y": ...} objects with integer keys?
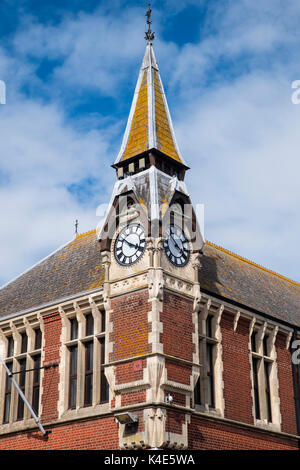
[
  {"x": 176, "y": 243},
  {"x": 131, "y": 244}
]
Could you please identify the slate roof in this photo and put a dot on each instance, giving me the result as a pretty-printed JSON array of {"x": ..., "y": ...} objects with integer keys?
[
  {"x": 235, "y": 278},
  {"x": 70, "y": 270},
  {"x": 76, "y": 268}
]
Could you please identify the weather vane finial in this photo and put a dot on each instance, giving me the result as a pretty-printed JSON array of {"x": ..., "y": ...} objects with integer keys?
[
  {"x": 149, "y": 34},
  {"x": 76, "y": 227}
]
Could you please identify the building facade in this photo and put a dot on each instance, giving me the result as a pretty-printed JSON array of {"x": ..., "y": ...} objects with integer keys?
[{"x": 143, "y": 335}]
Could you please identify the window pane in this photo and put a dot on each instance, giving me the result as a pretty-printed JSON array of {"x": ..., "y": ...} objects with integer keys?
[
  {"x": 73, "y": 376},
  {"x": 210, "y": 375},
  {"x": 103, "y": 316},
  {"x": 6, "y": 407},
  {"x": 104, "y": 391},
  {"x": 38, "y": 339},
  {"x": 73, "y": 387},
  {"x": 74, "y": 328},
  {"x": 268, "y": 394},
  {"x": 23, "y": 342},
  {"x": 89, "y": 325},
  {"x": 36, "y": 384},
  {"x": 253, "y": 341},
  {"x": 255, "y": 363},
  {"x": 89, "y": 356},
  {"x": 36, "y": 365},
  {"x": 209, "y": 326},
  {"x": 10, "y": 346},
  {"x": 88, "y": 393},
  {"x": 73, "y": 365},
  {"x": 197, "y": 393},
  {"x": 265, "y": 346},
  {"x": 7, "y": 397}
]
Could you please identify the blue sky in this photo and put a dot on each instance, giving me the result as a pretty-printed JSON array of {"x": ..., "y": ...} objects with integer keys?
[{"x": 70, "y": 68}]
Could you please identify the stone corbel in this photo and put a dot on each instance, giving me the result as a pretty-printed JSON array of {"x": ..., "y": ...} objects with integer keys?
[
  {"x": 106, "y": 297},
  {"x": 273, "y": 335},
  {"x": 219, "y": 314},
  {"x": 110, "y": 375},
  {"x": 95, "y": 310},
  {"x": 236, "y": 320},
  {"x": 63, "y": 317},
  {"x": 251, "y": 326},
  {"x": 197, "y": 297},
  {"x": 288, "y": 339},
  {"x": 196, "y": 263},
  {"x": 155, "y": 370},
  {"x": 156, "y": 284},
  {"x": 150, "y": 250},
  {"x": 155, "y": 425},
  {"x": 158, "y": 249},
  {"x": 205, "y": 309},
  {"x": 106, "y": 260}
]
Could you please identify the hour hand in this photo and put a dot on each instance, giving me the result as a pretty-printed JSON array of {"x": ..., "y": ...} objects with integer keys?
[{"x": 176, "y": 244}]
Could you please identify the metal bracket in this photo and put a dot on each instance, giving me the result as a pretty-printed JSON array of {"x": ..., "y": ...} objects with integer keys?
[{"x": 36, "y": 419}]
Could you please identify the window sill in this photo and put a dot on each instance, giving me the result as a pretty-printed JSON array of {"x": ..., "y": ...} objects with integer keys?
[
  {"x": 209, "y": 411},
  {"x": 266, "y": 425},
  {"x": 16, "y": 426},
  {"x": 85, "y": 411}
]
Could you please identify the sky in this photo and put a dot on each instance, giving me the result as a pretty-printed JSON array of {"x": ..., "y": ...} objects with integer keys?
[{"x": 70, "y": 69}]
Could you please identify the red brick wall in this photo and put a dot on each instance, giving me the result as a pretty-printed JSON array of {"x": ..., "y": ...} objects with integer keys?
[
  {"x": 174, "y": 421},
  {"x": 205, "y": 434},
  {"x": 177, "y": 326},
  {"x": 178, "y": 372},
  {"x": 131, "y": 398},
  {"x": 130, "y": 325},
  {"x": 236, "y": 370},
  {"x": 101, "y": 433},
  {"x": 49, "y": 398},
  {"x": 286, "y": 387},
  {"x": 130, "y": 371}
]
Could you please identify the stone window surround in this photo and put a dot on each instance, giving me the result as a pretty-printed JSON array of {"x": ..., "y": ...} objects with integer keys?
[
  {"x": 79, "y": 309},
  {"x": 262, "y": 329},
  {"x": 273, "y": 326},
  {"x": 215, "y": 311},
  {"x": 15, "y": 328}
]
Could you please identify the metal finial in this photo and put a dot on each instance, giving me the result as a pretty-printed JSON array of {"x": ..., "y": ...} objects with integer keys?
[
  {"x": 149, "y": 35},
  {"x": 76, "y": 227}
]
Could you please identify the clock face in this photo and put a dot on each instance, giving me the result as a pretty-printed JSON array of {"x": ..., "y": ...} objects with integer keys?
[
  {"x": 176, "y": 246},
  {"x": 130, "y": 244}
]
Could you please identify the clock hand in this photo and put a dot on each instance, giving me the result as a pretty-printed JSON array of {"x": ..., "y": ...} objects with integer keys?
[
  {"x": 131, "y": 244},
  {"x": 176, "y": 244}
]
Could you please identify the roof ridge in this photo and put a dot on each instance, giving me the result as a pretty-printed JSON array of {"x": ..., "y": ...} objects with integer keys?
[
  {"x": 252, "y": 263},
  {"x": 84, "y": 234}
]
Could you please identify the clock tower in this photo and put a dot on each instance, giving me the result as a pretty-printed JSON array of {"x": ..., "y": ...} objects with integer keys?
[{"x": 150, "y": 247}]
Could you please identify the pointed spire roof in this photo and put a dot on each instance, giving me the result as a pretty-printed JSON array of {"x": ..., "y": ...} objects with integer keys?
[{"x": 149, "y": 124}]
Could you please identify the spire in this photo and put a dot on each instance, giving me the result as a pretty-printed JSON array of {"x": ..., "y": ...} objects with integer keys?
[{"x": 149, "y": 124}]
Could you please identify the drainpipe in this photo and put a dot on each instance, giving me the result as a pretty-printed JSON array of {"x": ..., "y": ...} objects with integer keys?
[{"x": 296, "y": 382}]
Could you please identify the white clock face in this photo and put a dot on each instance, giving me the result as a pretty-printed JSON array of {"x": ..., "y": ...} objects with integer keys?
[
  {"x": 176, "y": 246},
  {"x": 130, "y": 244}
]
